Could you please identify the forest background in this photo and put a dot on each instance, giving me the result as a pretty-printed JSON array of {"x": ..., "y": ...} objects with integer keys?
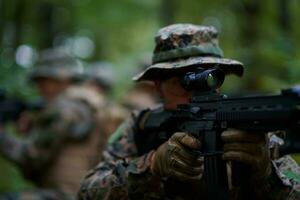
[{"x": 263, "y": 34}]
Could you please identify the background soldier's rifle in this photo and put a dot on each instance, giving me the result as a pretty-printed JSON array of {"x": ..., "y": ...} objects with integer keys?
[
  {"x": 11, "y": 108},
  {"x": 208, "y": 114}
]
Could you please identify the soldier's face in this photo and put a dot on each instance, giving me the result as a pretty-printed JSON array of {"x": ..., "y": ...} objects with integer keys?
[
  {"x": 50, "y": 88},
  {"x": 172, "y": 92}
]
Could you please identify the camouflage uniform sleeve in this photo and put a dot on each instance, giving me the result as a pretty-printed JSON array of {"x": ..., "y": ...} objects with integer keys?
[
  {"x": 122, "y": 173},
  {"x": 288, "y": 172},
  {"x": 58, "y": 122},
  {"x": 283, "y": 183}
]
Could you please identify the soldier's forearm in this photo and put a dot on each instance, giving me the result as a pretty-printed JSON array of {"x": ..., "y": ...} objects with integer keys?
[
  {"x": 271, "y": 188},
  {"x": 120, "y": 179}
]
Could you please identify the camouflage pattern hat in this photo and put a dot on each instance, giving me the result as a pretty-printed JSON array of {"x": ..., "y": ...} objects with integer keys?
[
  {"x": 182, "y": 47},
  {"x": 57, "y": 64},
  {"x": 102, "y": 73}
]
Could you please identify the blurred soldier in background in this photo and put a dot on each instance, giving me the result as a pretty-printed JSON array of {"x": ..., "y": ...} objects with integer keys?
[
  {"x": 141, "y": 95},
  {"x": 63, "y": 142},
  {"x": 172, "y": 170},
  {"x": 100, "y": 77}
]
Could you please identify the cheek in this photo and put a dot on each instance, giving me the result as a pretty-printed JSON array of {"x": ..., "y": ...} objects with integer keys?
[
  {"x": 47, "y": 89},
  {"x": 172, "y": 101},
  {"x": 173, "y": 94},
  {"x": 50, "y": 89},
  {"x": 174, "y": 90}
]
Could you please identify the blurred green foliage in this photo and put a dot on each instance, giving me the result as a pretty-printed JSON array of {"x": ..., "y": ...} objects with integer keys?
[
  {"x": 11, "y": 179},
  {"x": 262, "y": 34}
]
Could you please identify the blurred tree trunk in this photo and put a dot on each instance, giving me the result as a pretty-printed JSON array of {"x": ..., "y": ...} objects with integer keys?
[
  {"x": 18, "y": 23},
  {"x": 285, "y": 25},
  {"x": 249, "y": 25},
  {"x": 46, "y": 27},
  {"x": 11, "y": 22},
  {"x": 249, "y": 13},
  {"x": 167, "y": 12},
  {"x": 55, "y": 19},
  {"x": 1, "y": 22},
  {"x": 284, "y": 16}
]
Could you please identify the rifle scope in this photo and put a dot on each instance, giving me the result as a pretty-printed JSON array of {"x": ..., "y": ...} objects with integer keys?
[{"x": 203, "y": 80}]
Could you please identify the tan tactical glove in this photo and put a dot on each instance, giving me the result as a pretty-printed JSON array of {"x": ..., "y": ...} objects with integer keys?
[
  {"x": 250, "y": 149},
  {"x": 175, "y": 159}
]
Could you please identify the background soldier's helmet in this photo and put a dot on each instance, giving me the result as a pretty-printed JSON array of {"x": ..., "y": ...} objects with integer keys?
[
  {"x": 57, "y": 64},
  {"x": 102, "y": 73},
  {"x": 182, "y": 47}
]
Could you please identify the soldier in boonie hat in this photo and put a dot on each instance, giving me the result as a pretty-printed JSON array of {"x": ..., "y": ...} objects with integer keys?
[
  {"x": 141, "y": 163},
  {"x": 182, "y": 47},
  {"x": 101, "y": 74},
  {"x": 54, "y": 71},
  {"x": 57, "y": 64}
]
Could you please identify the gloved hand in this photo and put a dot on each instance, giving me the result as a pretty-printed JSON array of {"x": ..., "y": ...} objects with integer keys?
[
  {"x": 250, "y": 149},
  {"x": 175, "y": 159}
]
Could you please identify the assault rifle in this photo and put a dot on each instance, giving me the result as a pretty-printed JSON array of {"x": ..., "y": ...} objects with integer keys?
[
  {"x": 209, "y": 113},
  {"x": 11, "y": 108}
]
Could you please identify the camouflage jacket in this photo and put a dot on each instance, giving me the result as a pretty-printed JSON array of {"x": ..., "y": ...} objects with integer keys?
[
  {"x": 60, "y": 139},
  {"x": 125, "y": 175}
]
